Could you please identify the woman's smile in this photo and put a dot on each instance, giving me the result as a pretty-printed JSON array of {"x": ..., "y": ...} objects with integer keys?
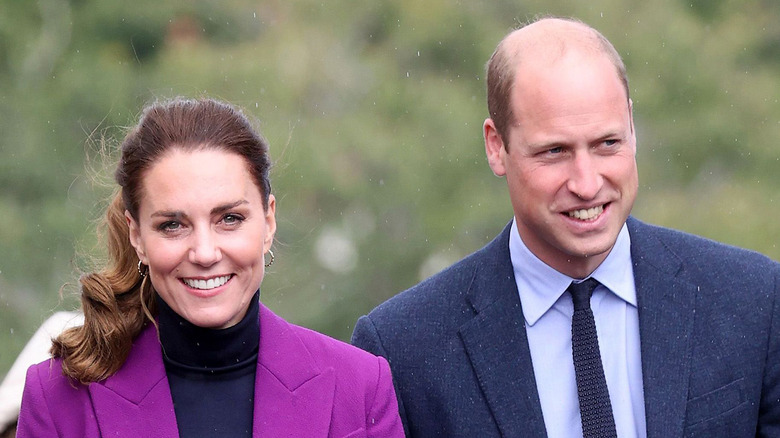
[{"x": 206, "y": 284}]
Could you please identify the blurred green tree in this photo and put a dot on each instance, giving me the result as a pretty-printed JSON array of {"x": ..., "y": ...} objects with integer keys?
[{"x": 374, "y": 113}]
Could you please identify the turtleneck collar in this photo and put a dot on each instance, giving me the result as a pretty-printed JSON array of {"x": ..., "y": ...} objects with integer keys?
[{"x": 189, "y": 346}]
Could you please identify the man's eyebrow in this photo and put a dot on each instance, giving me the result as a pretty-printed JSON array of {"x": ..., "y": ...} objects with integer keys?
[
  {"x": 612, "y": 133},
  {"x": 542, "y": 145}
]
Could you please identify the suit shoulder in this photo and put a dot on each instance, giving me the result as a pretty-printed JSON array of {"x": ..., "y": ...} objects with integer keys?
[
  {"x": 702, "y": 256},
  {"x": 48, "y": 374},
  {"x": 432, "y": 311},
  {"x": 52, "y": 400},
  {"x": 364, "y": 387},
  {"x": 59, "y": 390},
  {"x": 331, "y": 352},
  {"x": 698, "y": 246}
]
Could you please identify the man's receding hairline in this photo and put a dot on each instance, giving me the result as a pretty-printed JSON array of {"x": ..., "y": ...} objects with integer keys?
[{"x": 549, "y": 37}]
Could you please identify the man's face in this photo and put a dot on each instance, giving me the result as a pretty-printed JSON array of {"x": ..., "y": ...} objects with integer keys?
[{"x": 569, "y": 161}]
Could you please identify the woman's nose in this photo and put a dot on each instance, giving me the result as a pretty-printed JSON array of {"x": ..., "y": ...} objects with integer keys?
[{"x": 204, "y": 250}]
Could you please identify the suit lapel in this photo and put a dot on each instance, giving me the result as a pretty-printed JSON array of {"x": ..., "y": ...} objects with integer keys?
[
  {"x": 136, "y": 401},
  {"x": 293, "y": 394},
  {"x": 496, "y": 343},
  {"x": 666, "y": 308}
]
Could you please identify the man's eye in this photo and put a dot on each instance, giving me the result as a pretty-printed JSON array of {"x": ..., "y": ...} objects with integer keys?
[
  {"x": 554, "y": 151},
  {"x": 610, "y": 142}
]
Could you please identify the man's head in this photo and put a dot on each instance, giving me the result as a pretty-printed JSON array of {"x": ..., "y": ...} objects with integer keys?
[
  {"x": 503, "y": 64},
  {"x": 562, "y": 132}
]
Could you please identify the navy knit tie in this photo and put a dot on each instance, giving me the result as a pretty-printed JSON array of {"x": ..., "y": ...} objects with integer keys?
[{"x": 595, "y": 408}]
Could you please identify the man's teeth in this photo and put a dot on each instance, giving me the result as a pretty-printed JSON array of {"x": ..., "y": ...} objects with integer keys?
[
  {"x": 211, "y": 283},
  {"x": 586, "y": 214}
]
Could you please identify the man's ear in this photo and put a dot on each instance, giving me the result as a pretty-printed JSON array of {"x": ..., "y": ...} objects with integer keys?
[
  {"x": 494, "y": 148},
  {"x": 135, "y": 238},
  {"x": 631, "y": 121}
]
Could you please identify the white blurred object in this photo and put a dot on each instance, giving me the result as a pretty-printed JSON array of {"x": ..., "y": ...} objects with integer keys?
[
  {"x": 36, "y": 350},
  {"x": 336, "y": 250}
]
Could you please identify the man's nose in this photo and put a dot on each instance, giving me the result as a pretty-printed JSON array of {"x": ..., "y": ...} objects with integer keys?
[{"x": 585, "y": 179}]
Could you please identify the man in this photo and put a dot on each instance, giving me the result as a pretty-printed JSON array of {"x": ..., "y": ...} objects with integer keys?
[{"x": 687, "y": 328}]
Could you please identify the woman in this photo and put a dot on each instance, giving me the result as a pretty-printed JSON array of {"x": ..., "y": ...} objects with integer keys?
[{"x": 175, "y": 341}]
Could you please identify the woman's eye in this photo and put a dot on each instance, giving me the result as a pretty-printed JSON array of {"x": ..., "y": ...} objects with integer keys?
[
  {"x": 232, "y": 219},
  {"x": 169, "y": 226}
]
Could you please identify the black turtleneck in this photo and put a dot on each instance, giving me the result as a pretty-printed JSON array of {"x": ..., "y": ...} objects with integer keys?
[{"x": 211, "y": 373}]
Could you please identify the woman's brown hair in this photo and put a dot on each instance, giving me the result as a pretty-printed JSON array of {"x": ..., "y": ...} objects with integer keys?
[{"x": 117, "y": 301}]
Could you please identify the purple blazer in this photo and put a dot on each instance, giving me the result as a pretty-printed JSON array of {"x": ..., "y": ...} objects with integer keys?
[{"x": 307, "y": 385}]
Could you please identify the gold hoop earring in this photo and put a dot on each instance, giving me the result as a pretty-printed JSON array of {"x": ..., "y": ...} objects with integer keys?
[
  {"x": 271, "y": 261},
  {"x": 142, "y": 269}
]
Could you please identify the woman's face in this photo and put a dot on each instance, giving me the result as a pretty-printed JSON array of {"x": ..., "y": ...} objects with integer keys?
[{"x": 203, "y": 232}]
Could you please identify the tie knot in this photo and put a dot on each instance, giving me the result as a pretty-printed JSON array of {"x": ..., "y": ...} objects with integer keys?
[{"x": 581, "y": 292}]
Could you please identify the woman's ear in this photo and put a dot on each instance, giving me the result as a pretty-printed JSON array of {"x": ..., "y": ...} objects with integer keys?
[
  {"x": 270, "y": 223},
  {"x": 135, "y": 238}
]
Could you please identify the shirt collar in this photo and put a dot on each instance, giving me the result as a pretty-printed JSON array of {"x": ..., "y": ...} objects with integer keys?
[{"x": 540, "y": 286}]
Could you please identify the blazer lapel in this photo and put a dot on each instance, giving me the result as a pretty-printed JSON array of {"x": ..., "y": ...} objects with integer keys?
[
  {"x": 666, "y": 308},
  {"x": 496, "y": 343},
  {"x": 293, "y": 394},
  {"x": 136, "y": 401}
]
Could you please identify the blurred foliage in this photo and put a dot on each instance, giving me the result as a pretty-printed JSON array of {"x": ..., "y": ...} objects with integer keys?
[{"x": 374, "y": 114}]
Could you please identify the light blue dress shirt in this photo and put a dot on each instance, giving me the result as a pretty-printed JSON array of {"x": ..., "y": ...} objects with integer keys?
[{"x": 547, "y": 310}]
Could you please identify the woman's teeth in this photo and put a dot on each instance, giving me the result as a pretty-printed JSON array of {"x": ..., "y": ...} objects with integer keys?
[{"x": 211, "y": 283}]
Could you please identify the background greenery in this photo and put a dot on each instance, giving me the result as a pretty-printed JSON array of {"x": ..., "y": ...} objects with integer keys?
[{"x": 374, "y": 113}]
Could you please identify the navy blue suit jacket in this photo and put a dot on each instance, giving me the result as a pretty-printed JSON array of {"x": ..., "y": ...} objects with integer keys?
[{"x": 709, "y": 321}]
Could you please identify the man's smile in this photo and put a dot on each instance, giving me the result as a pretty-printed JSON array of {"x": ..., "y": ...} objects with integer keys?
[{"x": 586, "y": 214}]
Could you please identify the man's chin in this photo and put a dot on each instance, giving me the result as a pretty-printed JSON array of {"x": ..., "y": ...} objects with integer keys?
[{"x": 595, "y": 249}]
